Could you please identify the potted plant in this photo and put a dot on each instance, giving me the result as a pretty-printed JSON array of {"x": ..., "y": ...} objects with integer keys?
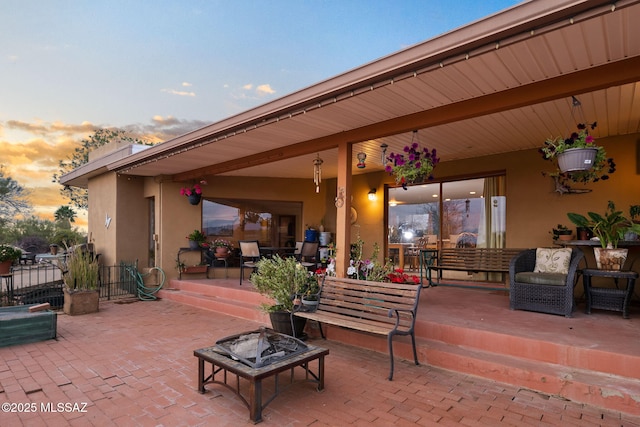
[
  {"x": 221, "y": 247},
  {"x": 609, "y": 229},
  {"x": 8, "y": 255},
  {"x": 310, "y": 293},
  {"x": 578, "y": 158},
  {"x": 80, "y": 275},
  {"x": 281, "y": 279},
  {"x": 561, "y": 232},
  {"x": 193, "y": 193},
  {"x": 196, "y": 239},
  {"x": 634, "y": 215},
  {"x": 412, "y": 166}
]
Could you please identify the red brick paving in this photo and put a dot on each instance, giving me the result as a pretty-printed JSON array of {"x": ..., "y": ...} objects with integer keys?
[{"x": 133, "y": 365}]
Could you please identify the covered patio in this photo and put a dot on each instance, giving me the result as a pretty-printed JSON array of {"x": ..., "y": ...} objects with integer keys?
[{"x": 485, "y": 96}]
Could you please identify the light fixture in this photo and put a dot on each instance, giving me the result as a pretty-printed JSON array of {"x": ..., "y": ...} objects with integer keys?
[
  {"x": 384, "y": 153},
  {"x": 317, "y": 172},
  {"x": 372, "y": 195},
  {"x": 361, "y": 158}
]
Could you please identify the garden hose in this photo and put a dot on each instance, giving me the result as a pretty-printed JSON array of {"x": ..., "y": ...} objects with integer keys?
[{"x": 146, "y": 293}]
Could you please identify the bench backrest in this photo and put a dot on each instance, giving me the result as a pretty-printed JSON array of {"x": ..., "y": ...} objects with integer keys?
[
  {"x": 496, "y": 259},
  {"x": 369, "y": 300}
]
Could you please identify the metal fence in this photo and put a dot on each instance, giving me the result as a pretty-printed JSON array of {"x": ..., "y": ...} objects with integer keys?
[{"x": 40, "y": 283}]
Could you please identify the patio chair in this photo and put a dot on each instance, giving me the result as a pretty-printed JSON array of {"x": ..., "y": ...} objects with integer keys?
[
  {"x": 308, "y": 255},
  {"x": 542, "y": 289},
  {"x": 249, "y": 256}
]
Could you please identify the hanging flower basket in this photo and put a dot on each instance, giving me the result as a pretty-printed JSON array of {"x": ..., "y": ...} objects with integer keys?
[
  {"x": 577, "y": 159},
  {"x": 414, "y": 165},
  {"x": 194, "y": 198}
]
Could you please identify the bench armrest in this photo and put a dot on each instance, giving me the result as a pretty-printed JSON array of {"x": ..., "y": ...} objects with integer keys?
[{"x": 395, "y": 312}]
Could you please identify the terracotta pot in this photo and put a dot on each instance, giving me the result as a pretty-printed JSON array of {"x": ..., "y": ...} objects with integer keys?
[
  {"x": 5, "y": 267},
  {"x": 565, "y": 237},
  {"x": 610, "y": 259},
  {"x": 222, "y": 252}
]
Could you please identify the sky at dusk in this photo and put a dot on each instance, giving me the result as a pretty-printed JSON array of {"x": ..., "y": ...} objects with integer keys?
[{"x": 158, "y": 69}]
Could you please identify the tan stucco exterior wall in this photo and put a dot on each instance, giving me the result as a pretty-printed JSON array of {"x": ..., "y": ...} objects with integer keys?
[
  {"x": 121, "y": 199},
  {"x": 533, "y": 207}
]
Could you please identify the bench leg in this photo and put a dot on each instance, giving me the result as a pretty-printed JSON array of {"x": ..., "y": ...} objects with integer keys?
[
  {"x": 390, "y": 343},
  {"x": 415, "y": 352}
]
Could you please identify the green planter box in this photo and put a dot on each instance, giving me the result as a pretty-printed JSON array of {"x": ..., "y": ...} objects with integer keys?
[{"x": 18, "y": 326}]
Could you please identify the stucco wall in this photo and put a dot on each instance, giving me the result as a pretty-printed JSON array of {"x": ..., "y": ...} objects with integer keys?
[
  {"x": 120, "y": 199},
  {"x": 533, "y": 207}
]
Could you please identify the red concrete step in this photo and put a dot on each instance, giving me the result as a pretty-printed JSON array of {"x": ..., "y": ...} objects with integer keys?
[{"x": 243, "y": 303}]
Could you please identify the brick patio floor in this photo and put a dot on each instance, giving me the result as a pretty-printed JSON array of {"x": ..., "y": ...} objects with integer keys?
[{"x": 132, "y": 364}]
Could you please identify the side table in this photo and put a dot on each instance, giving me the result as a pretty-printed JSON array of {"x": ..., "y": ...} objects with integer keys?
[
  {"x": 609, "y": 298},
  {"x": 219, "y": 260}
]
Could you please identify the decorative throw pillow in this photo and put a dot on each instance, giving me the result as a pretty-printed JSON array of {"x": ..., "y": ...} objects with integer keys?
[{"x": 551, "y": 260}]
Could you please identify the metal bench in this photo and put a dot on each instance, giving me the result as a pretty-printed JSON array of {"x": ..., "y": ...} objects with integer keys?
[
  {"x": 473, "y": 260},
  {"x": 378, "y": 308}
]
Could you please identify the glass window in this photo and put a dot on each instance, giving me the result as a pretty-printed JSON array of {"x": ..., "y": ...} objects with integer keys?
[
  {"x": 272, "y": 223},
  {"x": 461, "y": 213}
]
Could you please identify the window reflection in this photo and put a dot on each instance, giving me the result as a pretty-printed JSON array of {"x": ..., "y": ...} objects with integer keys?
[
  {"x": 462, "y": 213},
  {"x": 272, "y": 223}
]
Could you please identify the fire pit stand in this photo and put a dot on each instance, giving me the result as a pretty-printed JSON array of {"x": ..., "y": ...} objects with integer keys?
[{"x": 224, "y": 361}]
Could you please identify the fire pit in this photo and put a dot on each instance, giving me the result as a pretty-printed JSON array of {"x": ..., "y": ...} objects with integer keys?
[{"x": 260, "y": 348}]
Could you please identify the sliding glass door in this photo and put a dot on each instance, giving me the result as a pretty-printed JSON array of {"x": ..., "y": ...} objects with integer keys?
[{"x": 460, "y": 213}]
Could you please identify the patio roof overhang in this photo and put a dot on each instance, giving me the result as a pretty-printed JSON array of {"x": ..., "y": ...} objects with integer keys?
[{"x": 497, "y": 85}]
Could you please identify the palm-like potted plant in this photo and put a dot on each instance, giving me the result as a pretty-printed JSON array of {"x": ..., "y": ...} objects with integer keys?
[
  {"x": 80, "y": 273},
  {"x": 282, "y": 280},
  {"x": 609, "y": 228},
  {"x": 8, "y": 255}
]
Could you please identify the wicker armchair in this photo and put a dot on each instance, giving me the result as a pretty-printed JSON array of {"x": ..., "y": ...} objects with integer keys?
[{"x": 543, "y": 292}]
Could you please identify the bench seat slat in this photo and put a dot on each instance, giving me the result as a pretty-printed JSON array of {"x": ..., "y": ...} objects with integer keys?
[{"x": 352, "y": 323}]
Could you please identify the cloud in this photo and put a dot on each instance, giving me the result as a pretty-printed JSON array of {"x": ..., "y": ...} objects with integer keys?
[
  {"x": 263, "y": 90},
  {"x": 43, "y": 128},
  {"x": 178, "y": 92},
  {"x": 164, "y": 128},
  {"x": 186, "y": 84},
  {"x": 248, "y": 91}
]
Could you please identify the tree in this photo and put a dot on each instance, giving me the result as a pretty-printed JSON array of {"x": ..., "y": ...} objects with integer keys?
[
  {"x": 64, "y": 216},
  {"x": 79, "y": 196},
  {"x": 13, "y": 198}
]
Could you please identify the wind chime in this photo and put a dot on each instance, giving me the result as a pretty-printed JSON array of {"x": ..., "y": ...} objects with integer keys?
[{"x": 317, "y": 172}]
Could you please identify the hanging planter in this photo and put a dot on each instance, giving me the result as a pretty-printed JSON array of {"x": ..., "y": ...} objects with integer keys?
[
  {"x": 577, "y": 159},
  {"x": 194, "y": 193},
  {"x": 414, "y": 165}
]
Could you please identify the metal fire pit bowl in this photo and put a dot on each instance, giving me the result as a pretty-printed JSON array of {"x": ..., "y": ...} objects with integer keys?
[{"x": 260, "y": 348}]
